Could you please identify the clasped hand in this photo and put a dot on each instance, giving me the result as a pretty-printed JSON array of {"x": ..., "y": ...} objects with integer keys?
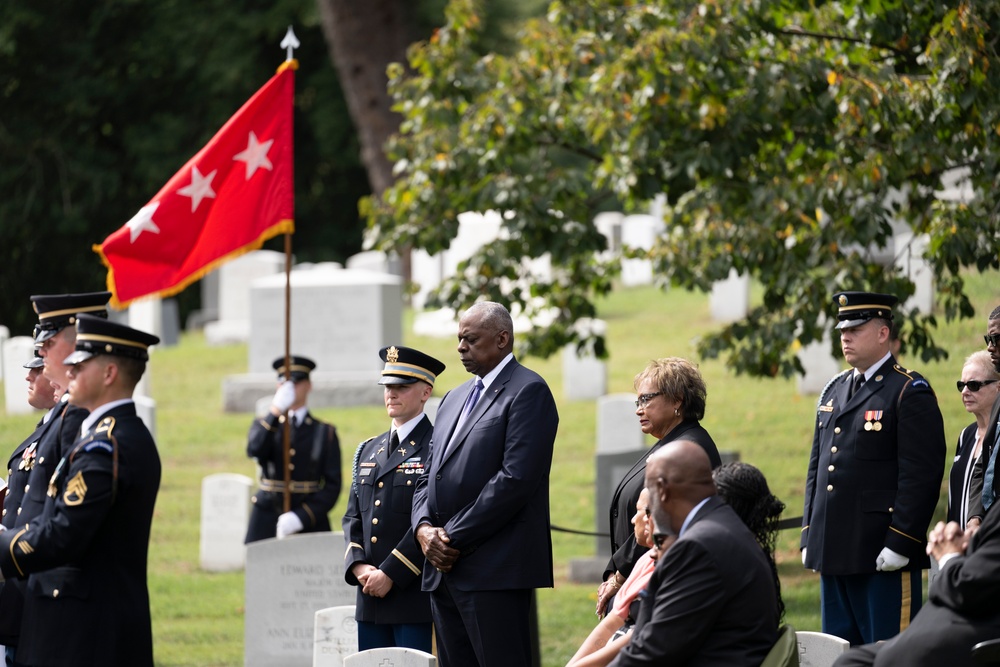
[{"x": 434, "y": 543}]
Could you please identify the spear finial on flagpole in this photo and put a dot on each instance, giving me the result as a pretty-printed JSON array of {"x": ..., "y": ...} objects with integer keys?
[{"x": 290, "y": 43}]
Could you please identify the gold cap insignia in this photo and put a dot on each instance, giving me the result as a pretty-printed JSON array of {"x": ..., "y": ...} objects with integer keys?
[
  {"x": 842, "y": 300},
  {"x": 392, "y": 355}
]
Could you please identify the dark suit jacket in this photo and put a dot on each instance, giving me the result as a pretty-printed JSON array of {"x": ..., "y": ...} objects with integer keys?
[
  {"x": 711, "y": 600},
  {"x": 961, "y": 608},
  {"x": 377, "y": 525},
  {"x": 875, "y": 487},
  {"x": 490, "y": 489},
  {"x": 85, "y": 556},
  {"x": 315, "y": 457},
  {"x": 624, "y": 549}
]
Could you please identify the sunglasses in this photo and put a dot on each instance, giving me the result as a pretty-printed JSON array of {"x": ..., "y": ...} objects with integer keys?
[
  {"x": 973, "y": 385},
  {"x": 992, "y": 339}
]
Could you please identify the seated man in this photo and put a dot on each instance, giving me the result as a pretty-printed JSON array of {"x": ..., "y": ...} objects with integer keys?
[
  {"x": 961, "y": 608},
  {"x": 711, "y": 599}
]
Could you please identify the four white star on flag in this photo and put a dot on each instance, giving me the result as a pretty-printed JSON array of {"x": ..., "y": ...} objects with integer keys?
[
  {"x": 201, "y": 187},
  {"x": 255, "y": 154},
  {"x": 143, "y": 221}
]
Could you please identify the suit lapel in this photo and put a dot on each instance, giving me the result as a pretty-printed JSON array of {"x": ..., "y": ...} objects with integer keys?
[{"x": 483, "y": 405}]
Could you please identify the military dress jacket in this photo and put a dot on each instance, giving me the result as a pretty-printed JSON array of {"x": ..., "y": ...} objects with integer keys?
[
  {"x": 377, "y": 525},
  {"x": 315, "y": 474},
  {"x": 874, "y": 473},
  {"x": 85, "y": 556},
  {"x": 28, "y": 472}
]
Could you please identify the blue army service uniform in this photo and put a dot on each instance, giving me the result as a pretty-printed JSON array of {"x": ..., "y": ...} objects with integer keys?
[
  {"x": 377, "y": 525},
  {"x": 32, "y": 463},
  {"x": 315, "y": 474},
  {"x": 84, "y": 557},
  {"x": 874, "y": 480}
]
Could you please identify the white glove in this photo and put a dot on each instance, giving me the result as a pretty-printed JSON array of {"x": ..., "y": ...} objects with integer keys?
[
  {"x": 803, "y": 555},
  {"x": 284, "y": 397},
  {"x": 288, "y": 524},
  {"x": 890, "y": 561}
]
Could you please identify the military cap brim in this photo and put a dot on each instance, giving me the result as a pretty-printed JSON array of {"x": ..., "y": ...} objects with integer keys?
[
  {"x": 404, "y": 365},
  {"x": 97, "y": 335},
  {"x": 299, "y": 369},
  {"x": 856, "y": 308}
]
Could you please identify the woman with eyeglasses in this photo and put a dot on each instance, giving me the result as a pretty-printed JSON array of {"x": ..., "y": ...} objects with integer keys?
[
  {"x": 670, "y": 402},
  {"x": 979, "y": 387}
]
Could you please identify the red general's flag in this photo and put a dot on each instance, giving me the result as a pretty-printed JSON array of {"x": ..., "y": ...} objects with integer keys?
[{"x": 236, "y": 193}]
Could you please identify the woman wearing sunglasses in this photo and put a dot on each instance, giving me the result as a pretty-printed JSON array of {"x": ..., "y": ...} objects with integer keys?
[{"x": 979, "y": 387}]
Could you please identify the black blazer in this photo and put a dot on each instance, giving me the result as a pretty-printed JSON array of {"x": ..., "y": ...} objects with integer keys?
[
  {"x": 961, "y": 608},
  {"x": 959, "y": 485},
  {"x": 624, "y": 549},
  {"x": 711, "y": 600}
]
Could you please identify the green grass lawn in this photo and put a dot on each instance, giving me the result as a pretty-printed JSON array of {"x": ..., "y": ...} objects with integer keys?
[{"x": 198, "y": 616}]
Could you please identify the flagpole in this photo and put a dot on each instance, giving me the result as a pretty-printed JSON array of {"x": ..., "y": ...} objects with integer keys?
[{"x": 289, "y": 43}]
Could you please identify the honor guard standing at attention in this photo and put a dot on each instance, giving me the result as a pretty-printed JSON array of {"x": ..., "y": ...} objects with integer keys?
[
  {"x": 874, "y": 479},
  {"x": 85, "y": 556},
  {"x": 29, "y": 472},
  {"x": 314, "y": 455},
  {"x": 383, "y": 560}
]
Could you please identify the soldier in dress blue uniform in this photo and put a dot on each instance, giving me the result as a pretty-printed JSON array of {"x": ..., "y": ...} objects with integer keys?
[
  {"x": 33, "y": 462},
  {"x": 874, "y": 480},
  {"x": 85, "y": 556},
  {"x": 383, "y": 560},
  {"x": 314, "y": 455}
]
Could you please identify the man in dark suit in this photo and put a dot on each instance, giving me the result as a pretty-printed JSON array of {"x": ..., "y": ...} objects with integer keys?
[
  {"x": 382, "y": 558},
  {"x": 85, "y": 556},
  {"x": 28, "y": 477},
  {"x": 711, "y": 599},
  {"x": 961, "y": 608},
  {"x": 314, "y": 453},
  {"x": 873, "y": 482},
  {"x": 481, "y": 513}
]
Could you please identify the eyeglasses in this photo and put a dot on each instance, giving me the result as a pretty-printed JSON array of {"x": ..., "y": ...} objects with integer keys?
[
  {"x": 973, "y": 385},
  {"x": 644, "y": 399},
  {"x": 992, "y": 339}
]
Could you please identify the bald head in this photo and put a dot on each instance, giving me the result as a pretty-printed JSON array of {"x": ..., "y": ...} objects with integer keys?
[{"x": 678, "y": 476}]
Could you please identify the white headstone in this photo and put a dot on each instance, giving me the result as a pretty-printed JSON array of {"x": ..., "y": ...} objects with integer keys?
[
  {"x": 817, "y": 649},
  {"x": 426, "y": 272},
  {"x": 287, "y": 582},
  {"x": 639, "y": 231},
  {"x": 235, "y": 277},
  {"x": 391, "y": 657},
  {"x": 145, "y": 407},
  {"x": 819, "y": 364},
  {"x": 339, "y": 319},
  {"x": 910, "y": 259},
  {"x": 730, "y": 299},
  {"x": 617, "y": 426},
  {"x": 609, "y": 224},
  {"x": 431, "y": 407},
  {"x": 335, "y": 636},
  {"x": 370, "y": 260},
  {"x": 17, "y": 351},
  {"x": 225, "y": 512},
  {"x": 584, "y": 377},
  {"x": 146, "y": 315},
  {"x": 4, "y": 335}
]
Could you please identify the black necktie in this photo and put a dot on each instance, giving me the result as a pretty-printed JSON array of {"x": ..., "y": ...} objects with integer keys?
[
  {"x": 393, "y": 441},
  {"x": 859, "y": 380}
]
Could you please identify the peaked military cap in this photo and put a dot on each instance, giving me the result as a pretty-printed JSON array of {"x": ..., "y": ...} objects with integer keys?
[
  {"x": 36, "y": 361},
  {"x": 57, "y": 311},
  {"x": 300, "y": 368},
  {"x": 404, "y": 365},
  {"x": 96, "y": 335},
  {"x": 856, "y": 308}
]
